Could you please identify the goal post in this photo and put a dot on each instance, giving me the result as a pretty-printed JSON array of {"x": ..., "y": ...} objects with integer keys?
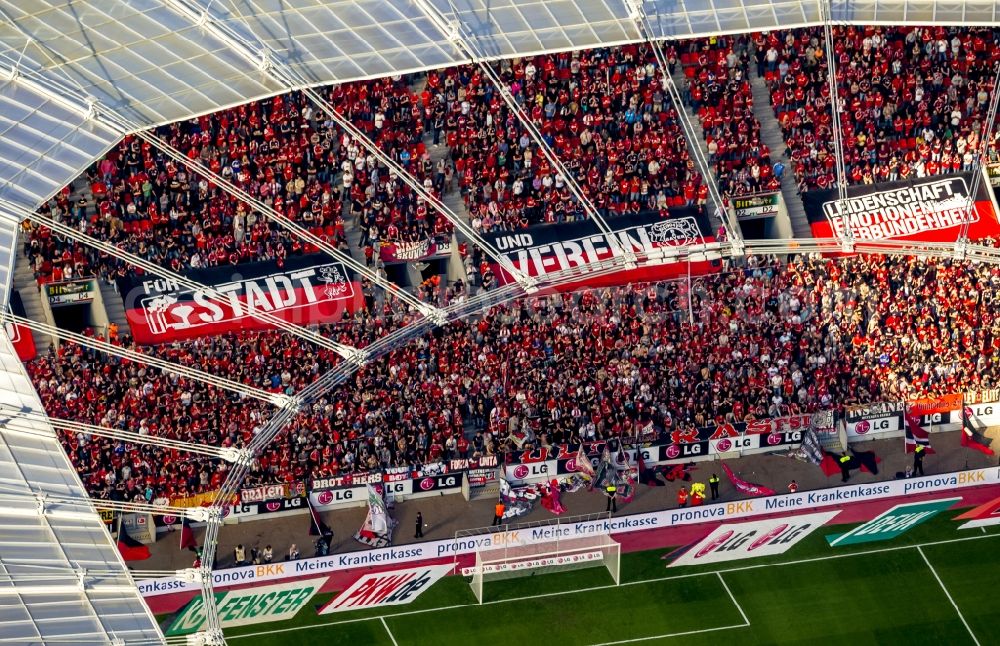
[{"x": 546, "y": 557}]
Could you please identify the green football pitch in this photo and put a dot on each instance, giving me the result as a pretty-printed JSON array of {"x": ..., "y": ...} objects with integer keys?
[{"x": 933, "y": 585}]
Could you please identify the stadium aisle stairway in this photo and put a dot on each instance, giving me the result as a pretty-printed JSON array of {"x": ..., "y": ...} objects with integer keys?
[
  {"x": 770, "y": 132},
  {"x": 679, "y": 79}
]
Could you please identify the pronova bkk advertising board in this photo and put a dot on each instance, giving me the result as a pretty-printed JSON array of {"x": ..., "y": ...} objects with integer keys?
[
  {"x": 806, "y": 501},
  {"x": 550, "y": 248},
  {"x": 386, "y": 589},
  {"x": 305, "y": 290},
  {"x": 931, "y": 209},
  {"x": 250, "y": 606},
  {"x": 750, "y": 540}
]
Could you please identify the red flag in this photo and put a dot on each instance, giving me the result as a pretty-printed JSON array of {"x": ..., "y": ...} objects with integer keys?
[
  {"x": 188, "y": 541},
  {"x": 916, "y": 435},
  {"x": 131, "y": 549},
  {"x": 743, "y": 486},
  {"x": 971, "y": 438}
]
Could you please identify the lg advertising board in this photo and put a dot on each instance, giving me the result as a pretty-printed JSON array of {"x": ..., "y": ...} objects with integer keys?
[
  {"x": 549, "y": 248},
  {"x": 249, "y": 606},
  {"x": 930, "y": 209},
  {"x": 383, "y": 589},
  {"x": 751, "y": 540},
  {"x": 942, "y": 413},
  {"x": 303, "y": 289},
  {"x": 349, "y": 494}
]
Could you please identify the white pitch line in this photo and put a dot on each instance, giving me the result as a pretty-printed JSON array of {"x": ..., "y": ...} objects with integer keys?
[
  {"x": 744, "y": 568},
  {"x": 688, "y": 632},
  {"x": 948, "y": 594},
  {"x": 386, "y": 626},
  {"x": 746, "y": 621}
]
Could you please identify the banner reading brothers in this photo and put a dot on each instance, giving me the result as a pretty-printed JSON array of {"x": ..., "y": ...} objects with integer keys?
[
  {"x": 306, "y": 290},
  {"x": 930, "y": 209},
  {"x": 549, "y": 248}
]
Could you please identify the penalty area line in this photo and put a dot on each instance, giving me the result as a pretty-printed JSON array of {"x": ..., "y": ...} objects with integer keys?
[
  {"x": 746, "y": 621},
  {"x": 948, "y": 594},
  {"x": 391, "y": 636},
  {"x": 668, "y": 635},
  {"x": 687, "y": 575}
]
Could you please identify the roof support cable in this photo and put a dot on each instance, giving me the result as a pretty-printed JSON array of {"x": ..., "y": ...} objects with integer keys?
[
  {"x": 978, "y": 155},
  {"x": 847, "y": 230},
  {"x": 195, "y": 374},
  {"x": 453, "y": 31},
  {"x": 637, "y": 13}
]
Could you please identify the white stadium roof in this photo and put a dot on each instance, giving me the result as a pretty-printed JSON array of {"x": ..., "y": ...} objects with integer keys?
[{"x": 76, "y": 75}]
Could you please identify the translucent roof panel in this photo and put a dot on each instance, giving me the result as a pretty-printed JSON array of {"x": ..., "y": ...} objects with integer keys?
[
  {"x": 341, "y": 40},
  {"x": 43, "y": 144},
  {"x": 42, "y": 555},
  {"x": 917, "y": 12},
  {"x": 149, "y": 63},
  {"x": 691, "y": 18},
  {"x": 8, "y": 240},
  {"x": 505, "y": 28}
]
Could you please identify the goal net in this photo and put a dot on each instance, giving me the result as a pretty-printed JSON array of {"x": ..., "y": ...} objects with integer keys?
[{"x": 546, "y": 557}]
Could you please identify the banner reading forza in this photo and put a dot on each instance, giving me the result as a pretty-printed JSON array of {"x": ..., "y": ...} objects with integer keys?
[
  {"x": 931, "y": 209},
  {"x": 406, "y": 251},
  {"x": 304, "y": 289},
  {"x": 550, "y": 248}
]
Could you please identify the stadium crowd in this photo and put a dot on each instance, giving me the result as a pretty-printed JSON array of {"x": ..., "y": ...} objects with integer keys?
[
  {"x": 913, "y": 99},
  {"x": 913, "y": 104},
  {"x": 601, "y": 111},
  {"x": 281, "y": 151},
  {"x": 769, "y": 340},
  {"x": 766, "y": 341},
  {"x": 717, "y": 88}
]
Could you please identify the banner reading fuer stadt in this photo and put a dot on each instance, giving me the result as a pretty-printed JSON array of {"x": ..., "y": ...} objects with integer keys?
[
  {"x": 302, "y": 289},
  {"x": 551, "y": 248},
  {"x": 750, "y": 540},
  {"x": 930, "y": 209}
]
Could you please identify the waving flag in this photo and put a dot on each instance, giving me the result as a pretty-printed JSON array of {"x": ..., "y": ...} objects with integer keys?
[
  {"x": 971, "y": 437},
  {"x": 188, "y": 541},
  {"x": 648, "y": 476},
  {"x": 916, "y": 435},
  {"x": 377, "y": 511},
  {"x": 583, "y": 465},
  {"x": 743, "y": 486},
  {"x": 317, "y": 527},
  {"x": 131, "y": 549}
]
